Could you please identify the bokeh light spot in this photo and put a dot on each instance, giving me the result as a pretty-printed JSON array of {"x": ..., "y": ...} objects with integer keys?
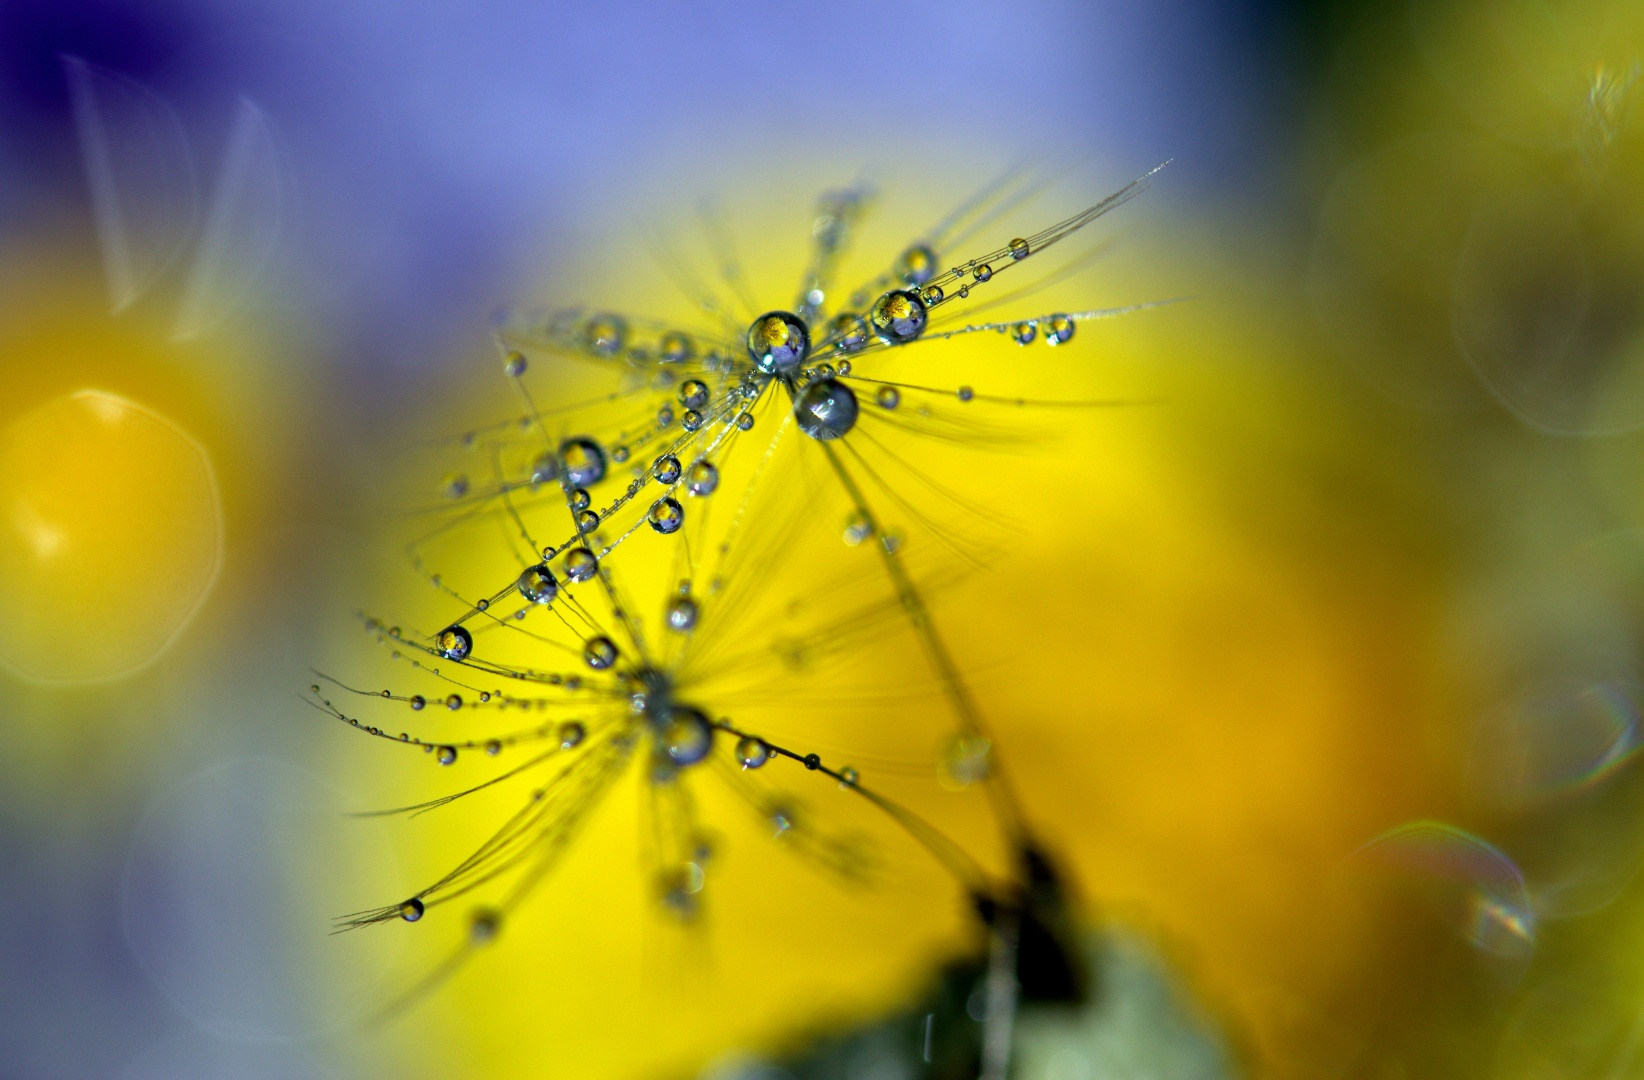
[{"x": 110, "y": 537}]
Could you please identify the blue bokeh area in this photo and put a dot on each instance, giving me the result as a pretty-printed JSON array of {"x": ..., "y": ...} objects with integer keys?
[{"x": 440, "y": 150}]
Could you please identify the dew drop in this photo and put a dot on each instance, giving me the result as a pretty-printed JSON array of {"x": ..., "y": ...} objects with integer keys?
[
  {"x": 917, "y": 265},
  {"x": 545, "y": 469},
  {"x": 666, "y": 469},
  {"x": 483, "y": 925},
  {"x": 702, "y": 478},
  {"x": 666, "y": 515},
  {"x": 858, "y": 527},
  {"x": 600, "y": 653},
  {"x": 898, "y": 317},
  {"x": 844, "y": 367},
  {"x": 538, "y": 585},
  {"x": 515, "y": 364},
  {"x": 580, "y": 499},
  {"x": 849, "y": 331},
  {"x": 813, "y": 761},
  {"x": 455, "y": 486},
  {"x": 453, "y": 702},
  {"x": 665, "y": 415},
  {"x": 675, "y": 348},
  {"x": 982, "y": 273},
  {"x": 619, "y": 455},
  {"x": 693, "y": 393},
  {"x": 571, "y": 734},
  {"x": 682, "y": 614},
  {"x": 686, "y": 736},
  {"x": 966, "y": 393},
  {"x": 888, "y": 397},
  {"x": 1019, "y": 248},
  {"x": 691, "y": 421},
  {"x": 849, "y": 777},
  {"x": 493, "y": 747},
  {"x": 744, "y": 421},
  {"x": 580, "y": 564},
  {"x": 587, "y": 522},
  {"x": 932, "y": 295},
  {"x": 751, "y": 753},
  {"x": 778, "y": 342},
  {"x": 412, "y": 909},
  {"x": 826, "y": 410},
  {"x": 418, "y": 702},
  {"x": 1023, "y": 333},
  {"x": 454, "y": 642},
  {"x": 1058, "y": 330},
  {"x": 603, "y": 335},
  {"x": 583, "y": 461},
  {"x": 965, "y": 761},
  {"x": 446, "y": 755}
]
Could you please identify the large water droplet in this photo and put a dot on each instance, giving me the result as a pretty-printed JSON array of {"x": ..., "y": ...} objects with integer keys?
[
  {"x": 778, "y": 342},
  {"x": 849, "y": 331},
  {"x": 917, "y": 265},
  {"x": 899, "y": 317},
  {"x": 411, "y": 910},
  {"x": 446, "y": 755},
  {"x": 702, "y": 478},
  {"x": 600, "y": 653},
  {"x": 515, "y": 364},
  {"x": 686, "y": 736},
  {"x": 693, "y": 394},
  {"x": 454, "y": 642},
  {"x": 538, "y": 585},
  {"x": 675, "y": 348},
  {"x": 752, "y": 752},
  {"x": 587, "y": 522},
  {"x": 666, "y": 470},
  {"x": 1019, "y": 248},
  {"x": 583, "y": 460},
  {"x": 604, "y": 334},
  {"x": 1023, "y": 333},
  {"x": 888, "y": 397},
  {"x": 826, "y": 409},
  {"x": 682, "y": 613},
  {"x": 580, "y": 564},
  {"x": 666, "y": 515},
  {"x": 1058, "y": 330},
  {"x": 571, "y": 734}
]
